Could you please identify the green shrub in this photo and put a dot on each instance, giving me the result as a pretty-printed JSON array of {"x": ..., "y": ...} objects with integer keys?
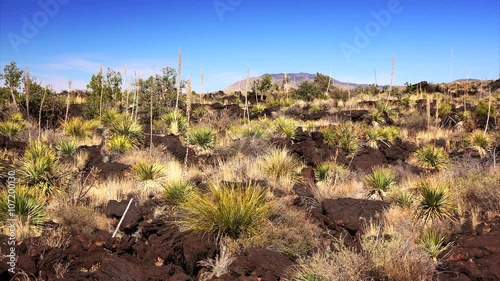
[
  {"x": 128, "y": 128},
  {"x": 445, "y": 109},
  {"x": 76, "y": 128},
  {"x": 145, "y": 171},
  {"x": 39, "y": 167},
  {"x": 227, "y": 211},
  {"x": 483, "y": 107},
  {"x": 433, "y": 242},
  {"x": 480, "y": 142},
  {"x": 285, "y": 127}
]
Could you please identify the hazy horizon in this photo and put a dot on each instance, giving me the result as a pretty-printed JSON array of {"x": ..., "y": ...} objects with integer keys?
[{"x": 61, "y": 40}]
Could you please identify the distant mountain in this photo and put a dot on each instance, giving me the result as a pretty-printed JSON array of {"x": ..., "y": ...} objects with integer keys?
[
  {"x": 295, "y": 80},
  {"x": 465, "y": 80}
]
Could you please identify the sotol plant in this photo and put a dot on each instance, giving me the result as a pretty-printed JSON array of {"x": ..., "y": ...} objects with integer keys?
[
  {"x": 203, "y": 138},
  {"x": 430, "y": 157},
  {"x": 434, "y": 202}
]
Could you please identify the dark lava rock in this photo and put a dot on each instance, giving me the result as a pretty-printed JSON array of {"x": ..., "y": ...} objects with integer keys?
[{"x": 258, "y": 264}]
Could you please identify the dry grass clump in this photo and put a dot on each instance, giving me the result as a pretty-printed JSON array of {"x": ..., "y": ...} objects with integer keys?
[
  {"x": 114, "y": 189},
  {"x": 280, "y": 166},
  {"x": 80, "y": 219},
  {"x": 288, "y": 232}
]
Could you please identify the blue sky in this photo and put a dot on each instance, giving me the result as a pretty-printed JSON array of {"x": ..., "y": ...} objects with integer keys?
[{"x": 61, "y": 40}]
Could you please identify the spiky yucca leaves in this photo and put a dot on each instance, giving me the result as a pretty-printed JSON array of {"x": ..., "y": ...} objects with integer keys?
[
  {"x": 178, "y": 191},
  {"x": 323, "y": 171},
  {"x": 434, "y": 201},
  {"x": 119, "y": 144},
  {"x": 380, "y": 181},
  {"x": 259, "y": 108},
  {"x": 66, "y": 148},
  {"x": 11, "y": 129},
  {"x": 480, "y": 142},
  {"x": 430, "y": 157},
  {"x": 149, "y": 174},
  {"x": 251, "y": 131},
  {"x": 227, "y": 210},
  {"x": 176, "y": 122},
  {"x": 279, "y": 163},
  {"x": 344, "y": 136},
  {"x": 30, "y": 212},
  {"x": 384, "y": 113},
  {"x": 203, "y": 138},
  {"x": 111, "y": 115},
  {"x": 285, "y": 127},
  {"x": 433, "y": 242},
  {"x": 39, "y": 166},
  {"x": 127, "y": 127}
]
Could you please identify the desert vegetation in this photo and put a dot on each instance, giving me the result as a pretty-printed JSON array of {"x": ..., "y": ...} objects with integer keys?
[{"x": 312, "y": 182}]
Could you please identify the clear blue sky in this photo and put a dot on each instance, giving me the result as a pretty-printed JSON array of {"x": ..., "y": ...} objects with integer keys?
[{"x": 224, "y": 37}]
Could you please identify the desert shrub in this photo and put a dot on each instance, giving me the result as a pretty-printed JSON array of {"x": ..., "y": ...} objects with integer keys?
[
  {"x": 288, "y": 232},
  {"x": 445, "y": 109},
  {"x": 308, "y": 91},
  {"x": 202, "y": 137},
  {"x": 278, "y": 163},
  {"x": 254, "y": 132},
  {"x": 483, "y": 107},
  {"x": 227, "y": 210},
  {"x": 430, "y": 157},
  {"x": 477, "y": 189},
  {"x": 111, "y": 115},
  {"x": 380, "y": 181},
  {"x": 384, "y": 113},
  {"x": 259, "y": 108},
  {"x": 80, "y": 220},
  {"x": 434, "y": 201},
  {"x": 29, "y": 210},
  {"x": 339, "y": 264},
  {"x": 402, "y": 198},
  {"x": 178, "y": 191}
]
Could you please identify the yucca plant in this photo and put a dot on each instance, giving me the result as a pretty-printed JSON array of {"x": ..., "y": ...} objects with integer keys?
[
  {"x": 11, "y": 129},
  {"x": 176, "y": 121},
  {"x": 390, "y": 133},
  {"x": 111, "y": 115},
  {"x": 480, "y": 142},
  {"x": 285, "y": 127},
  {"x": 434, "y": 202},
  {"x": 344, "y": 136},
  {"x": 66, "y": 147},
  {"x": 119, "y": 144},
  {"x": 430, "y": 157},
  {"x": 384, "y": 113},
  {"x": 39, "y": 166},
  {"x": 278, "y": 163},
  {"x": 373, "y": 136},
  {"x": 76, "y": 128},
  {"x": 259, "y": 108},
  {"x": 127, "y": 127},
  {"x": 30, "y": 212},
  {"x": 203, "y": 138},
  {"x": 227, "y": 210},
  {"x": 323, "y": 171},
  {"x": 178, "y": 191},
  {"x": 433, "y": 242},
  {"x": 144, "y": 171},
  {"x": 380, "y": 181},
  {"x": 254, "y": 132}
]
